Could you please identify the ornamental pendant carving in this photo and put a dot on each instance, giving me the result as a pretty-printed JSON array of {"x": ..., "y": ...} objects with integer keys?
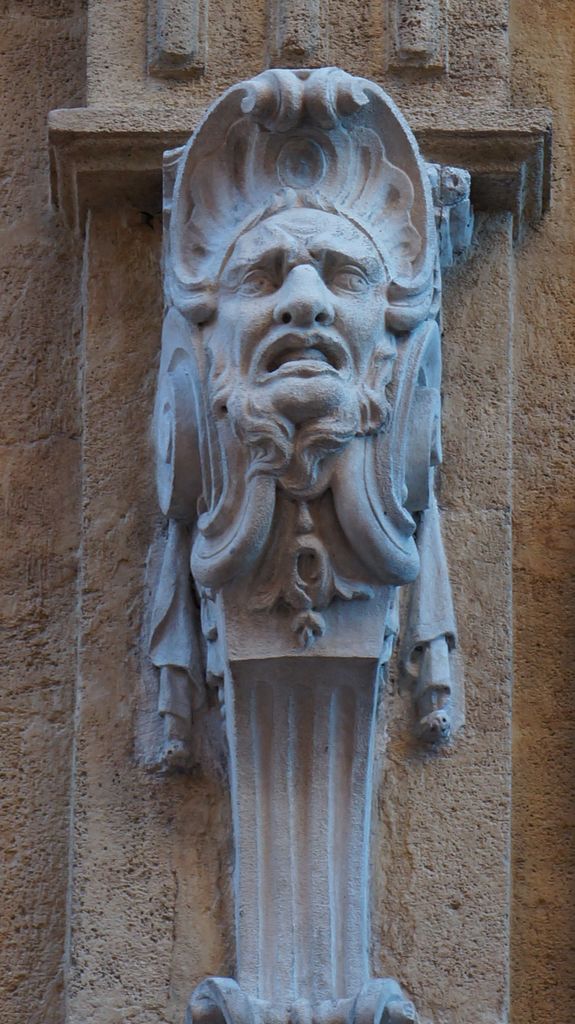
[{"x": 297, "y": 431}]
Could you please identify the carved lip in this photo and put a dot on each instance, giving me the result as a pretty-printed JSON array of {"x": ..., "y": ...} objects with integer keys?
[{"x": 302, "y": 353}]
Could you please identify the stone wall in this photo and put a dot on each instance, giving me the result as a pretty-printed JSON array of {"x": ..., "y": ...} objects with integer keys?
[
  {"x": 543, "y": 915},
  {"x": 41, "y": 65},
  {"x": 150, "y": 905}
]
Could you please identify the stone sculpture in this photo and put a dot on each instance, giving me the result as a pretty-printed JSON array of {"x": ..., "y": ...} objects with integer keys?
[{"x": 297, "y": 428}]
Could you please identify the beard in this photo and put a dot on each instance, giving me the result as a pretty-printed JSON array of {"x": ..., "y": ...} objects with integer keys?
[{"x": 297, "y": 449}]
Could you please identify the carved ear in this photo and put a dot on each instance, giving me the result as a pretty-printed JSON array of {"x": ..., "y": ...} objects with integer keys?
[{"x": 176, "y": 422}]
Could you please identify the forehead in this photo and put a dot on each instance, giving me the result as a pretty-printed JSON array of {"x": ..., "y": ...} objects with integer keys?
[{"x": 302, "y": 230}]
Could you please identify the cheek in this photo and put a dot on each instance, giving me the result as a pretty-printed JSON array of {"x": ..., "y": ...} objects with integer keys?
[
  {"x": 363, "y": 319},
  {"x": 243, "y": 316}
]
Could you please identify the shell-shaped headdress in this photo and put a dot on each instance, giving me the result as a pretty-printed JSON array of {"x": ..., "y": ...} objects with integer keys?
[{"x": 319, "y": 138}]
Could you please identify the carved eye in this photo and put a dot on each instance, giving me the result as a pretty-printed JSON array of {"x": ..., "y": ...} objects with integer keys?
[
  {"x": 257, "y": 282},
  {"x": 350, "y": 279}
]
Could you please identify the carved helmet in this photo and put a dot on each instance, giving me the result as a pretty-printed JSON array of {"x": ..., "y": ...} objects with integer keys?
[{"x": 317, "y": 138}]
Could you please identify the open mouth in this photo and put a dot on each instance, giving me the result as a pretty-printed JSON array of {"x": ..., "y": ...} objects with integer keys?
[
  {"x": 289, "y": 356},
  {"x": 305, "y": 355}
]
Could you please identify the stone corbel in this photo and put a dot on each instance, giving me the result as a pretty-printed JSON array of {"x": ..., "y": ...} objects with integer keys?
[{"x": 297, "y": 429}]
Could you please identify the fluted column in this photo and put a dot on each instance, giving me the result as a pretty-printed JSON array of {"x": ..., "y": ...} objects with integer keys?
[{"x": 301, "y": 749}]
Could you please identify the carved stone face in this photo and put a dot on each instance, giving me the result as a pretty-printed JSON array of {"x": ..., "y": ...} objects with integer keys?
[
  {"x": 298, "y": 352},
  {"x": 301, "y": 310}
]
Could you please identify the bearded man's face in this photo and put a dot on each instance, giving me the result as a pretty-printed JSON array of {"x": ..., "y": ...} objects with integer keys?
[{"x": 298, "y": 351}]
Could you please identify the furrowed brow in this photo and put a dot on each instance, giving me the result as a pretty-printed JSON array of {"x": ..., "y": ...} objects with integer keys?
[
  {"x": 371, "y": 265},
  {"x": 262, "y": 257}
]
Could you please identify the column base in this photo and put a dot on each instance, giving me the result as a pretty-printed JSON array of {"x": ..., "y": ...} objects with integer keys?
[{"x": 222, "y": 1001}]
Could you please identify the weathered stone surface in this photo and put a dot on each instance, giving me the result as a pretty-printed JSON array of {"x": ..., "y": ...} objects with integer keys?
[
  {"x": 41, "y": 63},
  {"x": 242, "y": 39},
  {"x": 477, "y": 372},
  {"x": 176, "y": 38},
  {"x": 433, "y": 897},
  {"x": 151, "y": 855},
  {"x": 440, "y": 855},
  {"x": 543, "y": 864}
]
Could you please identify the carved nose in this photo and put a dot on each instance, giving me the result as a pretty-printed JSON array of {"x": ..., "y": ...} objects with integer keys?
[{"x": 303, "y": 299}]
